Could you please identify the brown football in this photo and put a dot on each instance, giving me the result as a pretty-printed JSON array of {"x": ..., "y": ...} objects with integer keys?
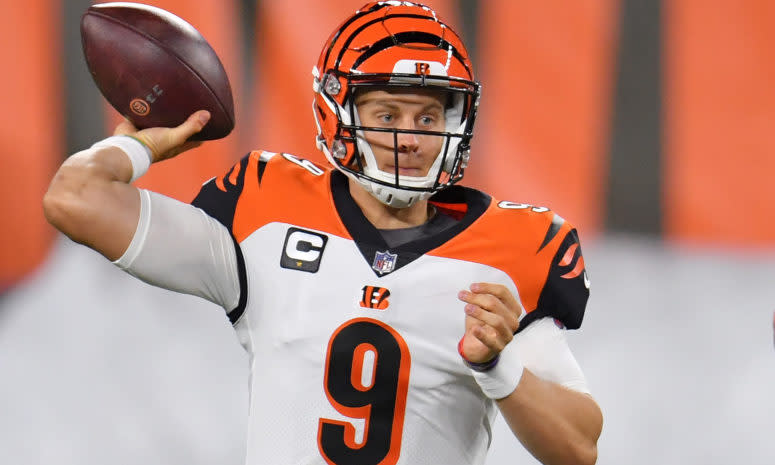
[{"x": 155, "y": 68}]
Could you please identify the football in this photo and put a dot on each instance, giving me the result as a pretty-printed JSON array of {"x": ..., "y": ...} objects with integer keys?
[{"x": 155, "y": 68}]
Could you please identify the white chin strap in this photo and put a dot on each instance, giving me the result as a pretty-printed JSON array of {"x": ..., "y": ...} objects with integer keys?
[{"x": 391, "y": 196}]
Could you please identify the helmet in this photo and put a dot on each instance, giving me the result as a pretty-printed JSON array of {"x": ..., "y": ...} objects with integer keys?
[{"x": 393, "y": 44}]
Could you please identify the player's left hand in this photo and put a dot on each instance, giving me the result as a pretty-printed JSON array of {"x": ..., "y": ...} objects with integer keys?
[{"x": 492, "y": 317}]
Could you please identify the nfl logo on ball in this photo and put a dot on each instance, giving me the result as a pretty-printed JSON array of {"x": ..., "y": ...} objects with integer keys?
[{"x": 384, "y": 262}]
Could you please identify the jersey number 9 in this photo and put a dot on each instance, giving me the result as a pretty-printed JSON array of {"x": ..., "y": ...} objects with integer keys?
[{"x": 379, "y": 399}]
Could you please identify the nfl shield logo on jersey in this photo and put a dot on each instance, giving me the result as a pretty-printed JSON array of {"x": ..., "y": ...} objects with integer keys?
[{"x": 384, "y": 262}]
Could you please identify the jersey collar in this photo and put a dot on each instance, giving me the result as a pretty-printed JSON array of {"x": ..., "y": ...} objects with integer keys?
[{"x": 469, "y": 204}]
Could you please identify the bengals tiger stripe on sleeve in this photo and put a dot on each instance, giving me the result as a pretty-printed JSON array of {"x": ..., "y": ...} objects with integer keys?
[{"x": 538, "y": 249}]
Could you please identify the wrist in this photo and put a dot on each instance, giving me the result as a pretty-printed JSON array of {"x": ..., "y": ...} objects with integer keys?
[
  {"x": 138, "y": 153},
  {"x": 477, "y": 366},
  {"x": 502, "y": 377}
]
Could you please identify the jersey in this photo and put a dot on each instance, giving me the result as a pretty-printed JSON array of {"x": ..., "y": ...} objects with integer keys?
[{"x": 353, "y": 344}]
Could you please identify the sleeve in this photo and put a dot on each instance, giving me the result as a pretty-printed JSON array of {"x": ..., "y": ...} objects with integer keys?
[
  {"x": 178, "y": 247},
  {"x": 566, "y": 289},
  {"x": 543, "y": 349},
  {"x": 219, "y": 197}
]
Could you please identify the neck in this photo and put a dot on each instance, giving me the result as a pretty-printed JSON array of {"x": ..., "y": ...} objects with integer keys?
[{"x": 384, "y": 217}]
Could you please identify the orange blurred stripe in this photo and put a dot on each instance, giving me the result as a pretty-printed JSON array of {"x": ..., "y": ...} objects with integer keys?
[
  {"x": 289, "y": 37},
  {"x": 181, "y": 177},
  {"x": 547, "y": 75},
  {"x": 719, "y": 111},
  {"x": 30, "y": 131}
]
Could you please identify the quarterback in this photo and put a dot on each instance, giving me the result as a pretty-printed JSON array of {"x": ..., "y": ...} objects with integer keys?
[{"x": 389, "y": 314}]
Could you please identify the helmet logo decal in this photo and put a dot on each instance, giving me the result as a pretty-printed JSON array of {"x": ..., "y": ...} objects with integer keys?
[{"x": 422, "y": 68}]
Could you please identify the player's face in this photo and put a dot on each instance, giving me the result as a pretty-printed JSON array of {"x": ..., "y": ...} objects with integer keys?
[{"x": 403, "y": 109}]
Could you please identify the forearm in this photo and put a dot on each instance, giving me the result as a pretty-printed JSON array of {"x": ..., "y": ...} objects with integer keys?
[
  {"x": 557, "y": 425},
  {"x": 90, "y": 200}
]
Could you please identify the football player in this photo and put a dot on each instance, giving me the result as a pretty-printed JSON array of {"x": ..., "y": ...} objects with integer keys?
[{"x": 389, "y": 314}]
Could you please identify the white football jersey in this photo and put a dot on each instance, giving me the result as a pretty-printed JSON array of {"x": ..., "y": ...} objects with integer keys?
[{"x": 353, "y": 345}]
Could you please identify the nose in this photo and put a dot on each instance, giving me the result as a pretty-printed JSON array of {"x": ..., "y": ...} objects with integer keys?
[{"x": 406, "y": 141}]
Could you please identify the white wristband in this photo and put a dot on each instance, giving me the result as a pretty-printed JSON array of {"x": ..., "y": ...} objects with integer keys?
[
  {"x": 139, "y": 155},
  {"x": 503, "y": 378}
]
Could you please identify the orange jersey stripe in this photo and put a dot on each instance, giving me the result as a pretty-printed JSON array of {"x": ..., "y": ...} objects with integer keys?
[
  {"x": 509, "y": 240},
  {"x": 288, "y": 193},
  {"x": 568, "y": 257},
  {"x": 576, "y": 271}
]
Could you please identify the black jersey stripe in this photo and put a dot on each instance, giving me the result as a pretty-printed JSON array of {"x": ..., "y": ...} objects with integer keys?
[
  {"x": 261, "y": 168},
  {"x": 562, "y": 298},
  {"x": 554, "y": 228},
  {"x": 236, "y": 313},
  {"x": 219, "y": 203}
]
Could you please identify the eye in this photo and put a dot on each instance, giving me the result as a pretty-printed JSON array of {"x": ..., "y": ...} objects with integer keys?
[
  {"x": 385, "y": 118},
  {"x": 427, "y": 120}
]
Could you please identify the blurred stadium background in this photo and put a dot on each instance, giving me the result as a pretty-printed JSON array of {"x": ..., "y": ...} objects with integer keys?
[{"x": 647, "y": 124}]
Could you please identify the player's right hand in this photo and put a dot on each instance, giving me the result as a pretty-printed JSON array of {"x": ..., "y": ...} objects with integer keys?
[{"x": 166, "y": 143}]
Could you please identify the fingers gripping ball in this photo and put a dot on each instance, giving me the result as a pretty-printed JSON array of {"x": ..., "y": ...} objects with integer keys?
[
  {"x": 164, "y": 143},
  {"x": 154, "y": 68}
]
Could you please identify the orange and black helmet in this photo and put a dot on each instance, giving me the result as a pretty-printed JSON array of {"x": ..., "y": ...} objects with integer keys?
[{"x": 393, "y": 44}]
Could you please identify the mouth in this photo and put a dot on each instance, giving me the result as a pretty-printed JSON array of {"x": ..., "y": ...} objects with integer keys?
[{"x": 405, "y": 171}]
